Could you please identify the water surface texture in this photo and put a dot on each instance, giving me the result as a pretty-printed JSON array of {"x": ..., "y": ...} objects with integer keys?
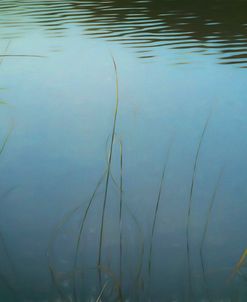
[{"x": 123, "y": 151}]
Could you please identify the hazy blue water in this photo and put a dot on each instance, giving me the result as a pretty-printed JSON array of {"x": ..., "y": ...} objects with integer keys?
[{"x": 177, "y": 62}]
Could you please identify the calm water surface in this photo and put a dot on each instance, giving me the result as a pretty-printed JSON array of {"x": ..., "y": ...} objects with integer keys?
[{"x": 173, "y": 234}]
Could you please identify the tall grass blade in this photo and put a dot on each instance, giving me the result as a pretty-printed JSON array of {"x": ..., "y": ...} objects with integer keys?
[
  {"x": 115, "y": 280},
  {"x": 190, "y": 203},
  {"x": 56, "y": 285},
  {"x": 53, "y": 238},
  {"x": 22, "y": 55},
  {"x": 241, "y": 262},
  {"x": 102, "y": 291},
  {"x": 156, "y": 210},
  {"x": 108, "y": 170},
  {"x": 205, "y": 231},
  {"x": 120, "y": 217},
  {"x": 6, "y": 139},
  {"x": 142, "y": 249},
  {"x": 107, "y": 158},
  {"x": 80, "y": 234},
  {"x": 58, "y": 228},
  {"x": 5, "y": 52}
]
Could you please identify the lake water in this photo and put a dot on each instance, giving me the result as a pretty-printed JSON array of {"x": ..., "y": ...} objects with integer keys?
[{"x": 124, "y": 184}]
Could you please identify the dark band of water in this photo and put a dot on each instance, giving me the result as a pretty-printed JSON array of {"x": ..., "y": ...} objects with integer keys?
[{"x": 212, "y": 27}]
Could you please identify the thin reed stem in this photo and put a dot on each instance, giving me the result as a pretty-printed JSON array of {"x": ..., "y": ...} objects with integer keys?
[
  {"x": 120, "y": 217},
  {"x": 25, "y": 56},
  {"x": 80, "y": 234},
  {"x": 5, "y": 52},
  {"x": 190, "y": 203},
  {"x": 55, "y": 282},
  {"x": 50, "y": 247},
  {"x": 205, "y": 231},
  {"x": 140, "y": 262},
  {"x": 156, "y": 209},
  {"x": 114, "y": 279},
  {"x": 108, "y": 171},
  {"x": 102, "y": 291},
  {"x": 6, "y": 139},
  {"x": 59, "y": 227}
]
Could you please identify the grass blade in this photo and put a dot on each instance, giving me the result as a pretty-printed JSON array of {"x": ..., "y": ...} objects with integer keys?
[
  {"x": 22, "y": 55},
  {"x": 241, "y": 262},
  {"x": 205, "y": 231},
  {"x": 156, "y": 209},
  {"x": 80, "y": 234},
  {"x": 120, "y": 217},
  {"x": 108, "y": 170},
  {"x": 102, "y": 291},
  {"x": 190, "y": 203}
]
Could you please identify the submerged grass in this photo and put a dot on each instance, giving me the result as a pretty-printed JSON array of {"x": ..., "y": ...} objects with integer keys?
[
  {"x": 139, "y": 267},
  {"x": 59, "y": 228},
  {"x": 23, "y": 55},
  {"x": 80, "y": 233},
  {"x": 120, "y": 217},
  {"x": 5, "y": 55},
  {"x": 106, "y": 176},
  {"x": 108, "y": 171},
  {"x": 104, "y": 181},
  {"x": 56, "y": 284},
  {"x": 190, "y": 293},
  {"x": 205, "y": 231},
  {"x": 49, "y": 251},
  {"x": 241, "y": 262},
  {"x": 6, "y": 139},
  {"x": 102, "y": 291},
  {"x": 5, "y": 52},
  {"x": 115, "y": 280},
  {"x": 162, "y": 183}
]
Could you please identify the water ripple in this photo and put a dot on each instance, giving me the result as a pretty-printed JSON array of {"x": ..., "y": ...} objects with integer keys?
[{"x": 143, "y": 25}]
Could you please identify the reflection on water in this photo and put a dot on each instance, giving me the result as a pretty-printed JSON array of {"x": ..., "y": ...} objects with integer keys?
[
  {"x": 127, "y": 190},
  {"x": 211, "y": 28}
]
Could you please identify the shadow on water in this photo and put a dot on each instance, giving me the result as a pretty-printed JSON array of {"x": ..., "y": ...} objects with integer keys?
[{"x": 207, "y": 27}]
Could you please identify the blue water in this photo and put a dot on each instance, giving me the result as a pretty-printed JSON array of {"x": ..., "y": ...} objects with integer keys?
[{"x": 181, "y": 68}]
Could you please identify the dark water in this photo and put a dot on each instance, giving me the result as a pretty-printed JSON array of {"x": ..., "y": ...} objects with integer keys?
[{"x": 168, "y": 235}]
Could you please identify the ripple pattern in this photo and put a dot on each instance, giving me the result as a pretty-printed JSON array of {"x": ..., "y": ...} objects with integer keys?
[{"x": 213, "y": 28}]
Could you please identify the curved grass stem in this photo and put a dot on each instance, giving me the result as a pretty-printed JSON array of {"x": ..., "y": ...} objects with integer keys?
[
  {"x": 190, "y": 293},
  {"x": 108, "y": 171}
]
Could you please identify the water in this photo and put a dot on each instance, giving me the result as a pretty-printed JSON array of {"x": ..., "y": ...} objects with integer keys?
[{"x": 182, "y": 102}]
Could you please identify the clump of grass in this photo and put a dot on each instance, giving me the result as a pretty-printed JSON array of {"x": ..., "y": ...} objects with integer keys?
[
  {"x": 49, "y": 252},
  {"x": 59, "y": 227},
  {"x": 106, "y": 176}
]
